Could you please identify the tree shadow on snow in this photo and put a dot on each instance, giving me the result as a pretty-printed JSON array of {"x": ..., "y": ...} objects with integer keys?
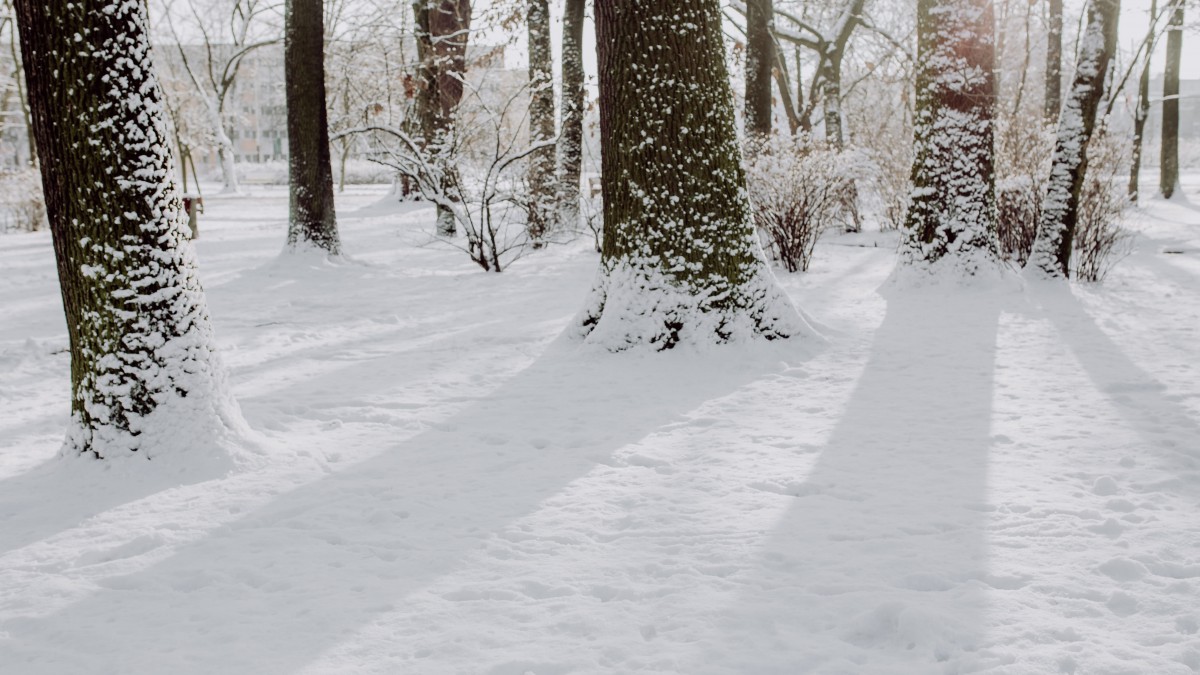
[
  {"x": 1169, "y": 432},
  {"x": 880, "y": 565},
  {"x": 272, "y": 591}
]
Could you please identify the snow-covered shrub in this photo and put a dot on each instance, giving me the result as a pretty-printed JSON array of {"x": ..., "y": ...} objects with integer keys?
[
  {"x": 1024, "y": 148},
  {"x": 1100, "y": 241},
  {"x": 799, "y": 188},
  {"x": 22, "y": 206}
]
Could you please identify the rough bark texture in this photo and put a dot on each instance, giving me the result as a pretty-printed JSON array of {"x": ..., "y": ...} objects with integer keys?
[
  {"x": 1142, "y": 111},
  {"x": 541, "y": 123},
  {"x": 312, "y": 222},
  {"x": 1054, "y": 26},
  {"x": 570, "y": 140},
  {"x": 681, "y": 261},
  {"x": 1168, "y": 177},
  {"x": 760, "y": 57},
  {"x": 442, "y": 31},
  {"x": 143, "y": 372},
  {"x": 1051, "y": 255},
  {"x": 952, "y": 217}
]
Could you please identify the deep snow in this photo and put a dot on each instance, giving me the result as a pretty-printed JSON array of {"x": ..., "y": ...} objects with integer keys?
[{"x": 984, "y": 480}]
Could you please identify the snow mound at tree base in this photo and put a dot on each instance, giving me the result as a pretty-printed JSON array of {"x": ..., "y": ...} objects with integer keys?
[{"x": 632, "y": 308}]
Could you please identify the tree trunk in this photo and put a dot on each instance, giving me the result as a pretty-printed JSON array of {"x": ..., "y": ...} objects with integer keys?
[
  {"x": 1168, "y": 180},
  {"x": 541, "y": 124},
  {"x": 144, "y": 374},
  {"x": 760, "y": 57},
  {"x": 442, "y": 29},
  {"x": 681, "y": 261},
  {"x": 570, "y": 141},
  {"x": 831, "y": 100},
  {"x": 1054, "y": 26},
  {"x": 312, "y": 222},
  {"x": 952, "y": 218},
  {"x": 1142, "y": 111},
  {"x": 1051, "y": 255}
]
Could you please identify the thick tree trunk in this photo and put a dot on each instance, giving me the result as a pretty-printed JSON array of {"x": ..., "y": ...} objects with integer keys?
[
  {"x": 681, "y": 261},
  {"x": 1142, "y": 111},
  {"x": 144, "y": 375},
  {"x": 831, "y": 100},
  {"x": 312, "y": 222},
  {"x": 760, "y": 58},
  {"x": 541, "y": 124},
  {"x": 442, "y": 30},
  {"x": 1054, "y": 26},
  {"x": 952, "y": 218},
  {"x": 570, "y": 141},
  {"x": 1168, "y": 177},
  {"x": 1051, "y": 255}
]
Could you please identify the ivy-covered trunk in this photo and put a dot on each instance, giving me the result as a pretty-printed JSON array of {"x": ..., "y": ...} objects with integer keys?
[
  {"x": 951, "y": 221},
  {"x": 1051, "y": 254},
  {"x": 541, "y": 124},
  {"x": 313, "y": 222},
  {"x": 570, "y": 140},
  {"x": 681, "y": 262},
  {"x": 760, "y": 62},
  {"x": 144, "y": 375},
  {"x": 1168, "y": 177}
]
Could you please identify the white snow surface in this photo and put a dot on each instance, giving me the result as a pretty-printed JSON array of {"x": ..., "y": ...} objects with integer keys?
[{"x": 987, "y": 479}]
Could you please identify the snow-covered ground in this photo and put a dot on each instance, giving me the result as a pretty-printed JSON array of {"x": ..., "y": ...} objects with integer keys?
[{"x": 987, "y": 480}]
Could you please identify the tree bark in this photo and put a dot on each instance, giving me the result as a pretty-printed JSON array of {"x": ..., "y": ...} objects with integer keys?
[
  {"x": 310, "y": 172},
  {"x": 442, "y": 32},
  {"x": 570, "y": 141},
  {"x": 760, "y": 58},
  {"x": 952, "y": 217},
  {"x": 1142, "y": 111},
  {"x": 1054, "y": 26},
  {"x": 541, "y": 124},
  {"x": 681, "y": 261},
  {"x": 1168, "y": 180},
  {"x": 1051, "y": 255},
  {"x": 144, "y": 374}
]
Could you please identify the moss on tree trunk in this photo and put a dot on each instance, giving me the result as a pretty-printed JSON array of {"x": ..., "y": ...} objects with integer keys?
[
  {"x": 680, "y": 261},
  {"x": 143, "y": 372}
]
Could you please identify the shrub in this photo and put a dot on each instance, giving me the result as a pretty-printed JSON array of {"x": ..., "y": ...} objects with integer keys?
[
  {"x": 799, "y": 188},
  {"x": 22, "y": 206},
  {"x": 1100, "y": 241}
]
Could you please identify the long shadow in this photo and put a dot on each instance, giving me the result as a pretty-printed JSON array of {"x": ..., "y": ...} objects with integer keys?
[
  {"x": 1168, "y": 430},
  {"x": 271, "y": 591},
  {"x": 880, "y": 564}
]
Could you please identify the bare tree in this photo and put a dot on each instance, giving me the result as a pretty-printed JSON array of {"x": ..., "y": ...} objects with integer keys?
[
  {"x": 681, "y": 262},
  {"x": 760, "y": 62},
  {"x": 1051, "y": 255},
  {"x": 1168, "y": 180},
  {"x": 541, "y": 123},
  {"x": 570, "y": 142},
  {"x": 143, "y": 365}
]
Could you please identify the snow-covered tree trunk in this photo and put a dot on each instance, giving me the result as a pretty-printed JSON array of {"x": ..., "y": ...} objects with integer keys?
[
  {"x": 144, "y": 374},
  {"x": 224, "y": 151},
  {"x": 951, "y": 222},
  {"x": 541, "y": 123},
  {"x": 1142, "y": 111},
  {"x": 681, "y": 261},
  {"x": 312, "y": 221},
  {"x": 1168, "y": 177},
  {"x": 1054, "y": 25},
  {"x": 1051, "y": 254},
  {"x": 570, "y": 140},
  {"x": 760, "y": 61},
  {"x": 442, "y": 30}
]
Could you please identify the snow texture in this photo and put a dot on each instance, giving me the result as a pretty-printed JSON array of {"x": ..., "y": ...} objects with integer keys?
[{"x": 982, "y": 480}]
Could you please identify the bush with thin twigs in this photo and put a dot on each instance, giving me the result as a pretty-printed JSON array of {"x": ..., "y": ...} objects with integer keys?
[
  {"x": 1100, "y": 241},
  {"x": 22, "y": 206},
  {"x": 799, "y": 188}
]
